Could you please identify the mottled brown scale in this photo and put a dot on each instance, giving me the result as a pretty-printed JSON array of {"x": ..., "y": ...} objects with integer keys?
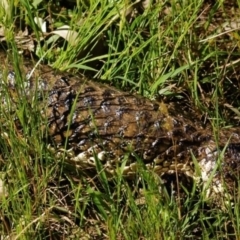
[{"x": 98, "y": 120}]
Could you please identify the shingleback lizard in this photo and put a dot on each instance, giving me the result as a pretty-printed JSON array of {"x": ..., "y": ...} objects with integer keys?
[{"x": 99, "y": 121}]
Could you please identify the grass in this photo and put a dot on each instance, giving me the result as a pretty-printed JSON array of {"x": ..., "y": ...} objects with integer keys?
[{"x": 182, "y": 51}]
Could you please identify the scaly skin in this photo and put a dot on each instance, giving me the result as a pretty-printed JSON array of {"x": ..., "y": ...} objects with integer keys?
[{"x": 98, "y": 120}]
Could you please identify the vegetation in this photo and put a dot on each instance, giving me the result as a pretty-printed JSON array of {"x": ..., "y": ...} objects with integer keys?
[{"x": 183, "y": 51}]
